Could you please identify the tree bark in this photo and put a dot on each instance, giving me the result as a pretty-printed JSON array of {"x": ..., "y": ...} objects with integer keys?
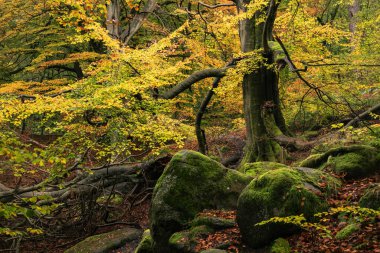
[{"x": 113, "y": 19}]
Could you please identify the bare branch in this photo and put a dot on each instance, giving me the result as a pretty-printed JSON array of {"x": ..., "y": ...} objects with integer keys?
[{"x": 364, "y": 114}]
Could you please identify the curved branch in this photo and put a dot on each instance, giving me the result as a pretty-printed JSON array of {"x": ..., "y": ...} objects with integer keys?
[
  {"x": 192, "y": 79},
  {"x": 202, "y": 145}
]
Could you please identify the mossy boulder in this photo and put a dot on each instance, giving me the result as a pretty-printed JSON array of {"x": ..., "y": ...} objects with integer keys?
[
  {"x": 190, "y": 183},
  {"x": 258, "y": 168},
  {"x": 282, "y": 192},
  {"x": 354, "y": 161},
  {"x": 371, "y": 197},
  {"x": 146, "y": 243},
  {"x": 106, "y": 242}
]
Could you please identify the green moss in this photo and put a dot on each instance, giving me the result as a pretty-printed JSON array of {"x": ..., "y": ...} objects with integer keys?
[
  {"x": 347, "y": 231},
  {"x": 355, "y": 165},
  {"x": 313, "y": 161},
  {"x": 190, "y": 183},
  {"x": 324, "y": 182},
  {"x": 258, "y": 168},
  {"x": 146, "y": 243},
  {"x": 280, "y": 245},
  {"x": 371, "y": 197},
  {"x": 213, "y": 222},
  {"x": 179, "y": 242},
  {"x": 179, "y": 238},
  {"x": 280, "y": 192}
]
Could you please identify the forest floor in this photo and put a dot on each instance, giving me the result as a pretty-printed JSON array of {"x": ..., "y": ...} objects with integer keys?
[{"x": 309, "y": 241}]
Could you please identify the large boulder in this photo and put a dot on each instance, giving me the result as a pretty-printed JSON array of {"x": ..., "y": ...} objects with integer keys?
[
  {"x": 190, "y": 183},
  {"x": 282, "y": 192},
  {"x": 106, "y": 242},
  {"x": 354, "y": 161}
]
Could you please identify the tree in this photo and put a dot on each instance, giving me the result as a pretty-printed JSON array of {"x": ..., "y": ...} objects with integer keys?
[{"x": 262, "y": 109}]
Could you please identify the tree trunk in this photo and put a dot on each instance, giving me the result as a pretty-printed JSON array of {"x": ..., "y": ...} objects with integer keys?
[
  {"x": 113, "y": 19},
  {"x": 353, "y": 11},
  {"x": 262, "y": 111}
]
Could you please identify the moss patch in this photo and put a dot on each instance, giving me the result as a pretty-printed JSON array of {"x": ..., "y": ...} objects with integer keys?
[
  {"x": 280, "y": 245},
  {"x": 213, "y": 222},
  {"x": 347, "y": 231},
  {"x": 146, "y": 243},
  {"x": 258, "y": 168}
]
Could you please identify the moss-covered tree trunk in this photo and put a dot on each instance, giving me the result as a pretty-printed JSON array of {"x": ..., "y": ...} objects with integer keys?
[{"x": 263, "y": 116}]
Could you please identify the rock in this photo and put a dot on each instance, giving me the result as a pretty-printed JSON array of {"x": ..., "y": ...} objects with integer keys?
[
  {"x": 106, "y": 242},
  {"x": 214, "y": 251},
  {"x": 258, "y": 168},
  {"x": 186, "y": 241},
  {"x": 371, "y": 197},
  {"x": 190, "y": 183},
  {"x": 354, "y": 161},
  {"x": 280, "y": 245},
  {"x": 146, "y": 243},
  {"x": 347, "y": 231},
  {"x": 213, "y": 222},
  {"x": 282, "y": 192}
]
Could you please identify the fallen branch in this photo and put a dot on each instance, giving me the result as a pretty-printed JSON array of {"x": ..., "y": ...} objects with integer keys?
[{"x": 363, "y": 115}]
